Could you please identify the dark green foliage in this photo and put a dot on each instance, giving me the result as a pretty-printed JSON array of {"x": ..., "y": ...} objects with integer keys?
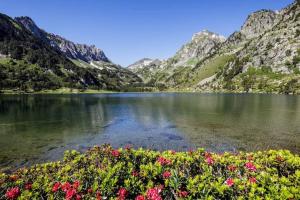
[{"x": 290, "y": 87}]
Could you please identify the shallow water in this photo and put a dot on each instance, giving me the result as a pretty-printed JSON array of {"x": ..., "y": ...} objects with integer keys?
[{"x": 38, "y": 128}]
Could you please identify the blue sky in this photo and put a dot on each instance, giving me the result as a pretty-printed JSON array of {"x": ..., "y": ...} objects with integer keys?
[{"x": 128, "y": 30}]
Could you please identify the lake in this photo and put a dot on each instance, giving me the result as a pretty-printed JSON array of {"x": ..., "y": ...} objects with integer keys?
[{"x": 39, "y": 128}]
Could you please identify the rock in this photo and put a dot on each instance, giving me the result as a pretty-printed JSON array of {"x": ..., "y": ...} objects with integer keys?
[{"x": 70, "y": 49}]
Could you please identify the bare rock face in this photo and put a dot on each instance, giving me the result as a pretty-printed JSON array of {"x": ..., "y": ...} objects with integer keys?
[
  {"x": 145, "y": 62},
  {"x": 201, "y": 45},
  {"x": 70, "y": 49},
  {"x": 259, "y": 22}
]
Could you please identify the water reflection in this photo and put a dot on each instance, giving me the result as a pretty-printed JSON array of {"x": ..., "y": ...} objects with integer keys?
[{"x": 35, "y": 128}]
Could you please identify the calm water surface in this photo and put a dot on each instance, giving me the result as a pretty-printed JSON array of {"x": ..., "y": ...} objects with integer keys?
[{"x": 38, "y": 128}]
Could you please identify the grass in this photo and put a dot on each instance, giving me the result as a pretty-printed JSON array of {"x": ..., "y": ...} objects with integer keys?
[{"x": 211, "y": 68}]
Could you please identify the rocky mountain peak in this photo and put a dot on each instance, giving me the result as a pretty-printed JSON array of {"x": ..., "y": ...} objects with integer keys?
[
  {"x": 258, "y": 22},
  {"x": 145, "y": 62},
  {"x": 87, "y": 53},
  {"x": 30, "y": 25},
  {"x": 208, "y": 34}
]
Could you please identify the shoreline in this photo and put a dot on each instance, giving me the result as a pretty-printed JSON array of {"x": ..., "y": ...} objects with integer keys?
[{"x": 90, "y": 91}]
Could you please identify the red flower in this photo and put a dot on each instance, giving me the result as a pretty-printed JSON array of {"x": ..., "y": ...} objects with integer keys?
[
  {"x": 209, "y": 160},
  {"x": 12, "y": 193},
  {"x": 98, "y": 195},
  {"x": 28, "y": 186},
  {"x": 163, "y": 161},
  {"x": 167, "y": 174},
  {"x": 134, "y": 173},
  {"x": 66, "y": 186},
  {"x": 70, "y": 193},
  {"x": 231, "y": 168},
  {"x": 182, "y": 194},
  {"x": 78, "y": 197},
  {"x": 56, "y": 187},
  {"x": 229, "y": 182},
  {"x": 76, "y": 184},
  {"x": 140, "y": 197},
  {"x": 252, "y": 180},
  {"x": 122, "y": 193},
  {"x": 115, "y": 153},
  {"x": 250, "y": 166},
  {"x": 153, "y": 194},
  {"x": 90, "y": 190}
]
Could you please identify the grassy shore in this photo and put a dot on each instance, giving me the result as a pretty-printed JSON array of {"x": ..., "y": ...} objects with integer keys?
[{"x": 143, "y": 174}]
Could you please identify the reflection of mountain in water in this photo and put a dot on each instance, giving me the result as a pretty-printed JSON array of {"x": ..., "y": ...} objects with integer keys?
[
  {"x": 31, "y": 125},
  {"x": 226, "y": 122}
]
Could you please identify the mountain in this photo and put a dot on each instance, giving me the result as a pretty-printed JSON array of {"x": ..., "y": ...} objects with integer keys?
[
  {"x": 145, "y": 68},
  {"x": 33, "y": 60},
  {"x": 263, "y": 56}
]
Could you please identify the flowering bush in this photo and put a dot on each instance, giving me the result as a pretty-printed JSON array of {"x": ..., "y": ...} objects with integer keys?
[{"x": 106, "y": 173}]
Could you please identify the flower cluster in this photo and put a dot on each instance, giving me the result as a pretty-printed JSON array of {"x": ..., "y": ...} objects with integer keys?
[{"x": 107, "y": 173}]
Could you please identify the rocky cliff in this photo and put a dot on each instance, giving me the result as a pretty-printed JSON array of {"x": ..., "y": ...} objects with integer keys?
[{"x": 70, "y": 49}]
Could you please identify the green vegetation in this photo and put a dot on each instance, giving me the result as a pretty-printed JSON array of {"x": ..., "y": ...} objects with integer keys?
[
  {"x": 212, "y": 67},
  {"x": 106, "y": 173},
  {"x": 264, "y": 80}
]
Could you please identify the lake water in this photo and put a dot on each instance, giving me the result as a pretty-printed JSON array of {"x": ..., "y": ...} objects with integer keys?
[{"x": 38, "y": 128}]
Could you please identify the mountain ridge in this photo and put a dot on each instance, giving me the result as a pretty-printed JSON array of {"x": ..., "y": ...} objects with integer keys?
[
  {"x": 263, "y": 56},
  {"x": 72, "y": 50}
]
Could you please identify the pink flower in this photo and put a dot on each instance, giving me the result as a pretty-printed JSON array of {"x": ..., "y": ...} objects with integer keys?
[
  {"x": 210, "y": 160},
  {"x": 115, "y": 153},
  {"x": 231, "y": 168},
  {"x": 154, "y": 194},
  {"x": 140, "y": 197},
  {"x": 12, "y": 193},
  {"x": 163, "y": 161},
  {"x": 250, "y": 166},
  {"x": 56, "y": 187},
  {"x": 28, "y": 186},
  {"x": 70, "y": 193},
  {"x": 229, "y": 182},
  {"x": 66, "y": 186},
  {"x": 78, "y": 197},
  {"x": 167, "y": 174},
  {"x": 76, "y": 184},
  {"x": 252, "y": 180},
  {"x": 182, "y": 194},
  {"x": 122, "y": 193}
]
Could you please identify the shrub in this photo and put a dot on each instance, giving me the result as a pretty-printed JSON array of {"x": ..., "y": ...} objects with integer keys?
[{"x": 107, "y": 173}]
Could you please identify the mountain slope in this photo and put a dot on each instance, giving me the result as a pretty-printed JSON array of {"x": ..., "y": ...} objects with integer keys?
[
  {"x": 29, "y": 63},
  {"x": 68, "y": 48},
  {"x": 262, "y": 57}
]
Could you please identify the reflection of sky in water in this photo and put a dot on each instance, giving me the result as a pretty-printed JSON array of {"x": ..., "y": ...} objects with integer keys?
[{"x": 35, "y": 128}]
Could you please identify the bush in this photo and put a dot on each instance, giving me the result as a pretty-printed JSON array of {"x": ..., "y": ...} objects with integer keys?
[{"x": 103, "y": 172}]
